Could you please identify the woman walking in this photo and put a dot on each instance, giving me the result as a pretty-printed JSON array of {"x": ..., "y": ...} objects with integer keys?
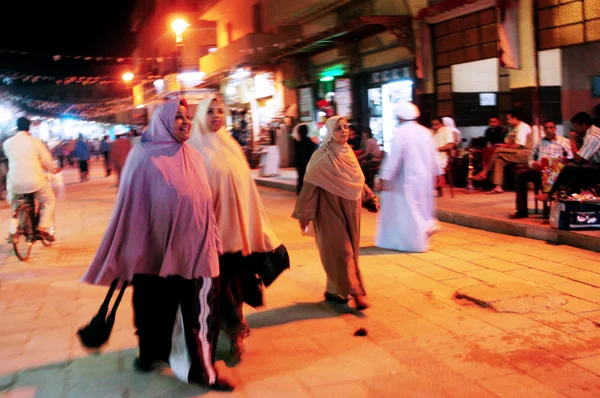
[
  {"x": 332, "y": 196},
  {"x": 164, "y": 239},
  {"x": 239, "y": 212}
]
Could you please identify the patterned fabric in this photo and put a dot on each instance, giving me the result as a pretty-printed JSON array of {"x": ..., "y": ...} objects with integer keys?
[
  {"x": 554, "y": 149},
  {"x": 590, "y": 150}
]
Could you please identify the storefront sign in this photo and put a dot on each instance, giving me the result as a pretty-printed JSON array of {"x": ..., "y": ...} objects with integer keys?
[
  {"x": 389, "y": 75},
  {"x": 343, "y": 97},
  {"x": 305, "y": 104}
]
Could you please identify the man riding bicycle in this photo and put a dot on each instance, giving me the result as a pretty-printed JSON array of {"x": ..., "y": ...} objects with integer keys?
[{"x": 28, "y": 158}]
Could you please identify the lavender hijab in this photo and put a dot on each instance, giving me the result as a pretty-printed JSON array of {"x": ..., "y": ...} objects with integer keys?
[{"x": 163, "y": 222}]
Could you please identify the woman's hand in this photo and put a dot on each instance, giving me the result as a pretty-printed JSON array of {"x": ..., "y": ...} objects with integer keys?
[{"x": 373, "y": 205}]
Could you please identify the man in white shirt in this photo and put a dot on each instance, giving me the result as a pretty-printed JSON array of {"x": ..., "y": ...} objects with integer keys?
[
  {"x": 515, "y": 150},
  {"x": 445, "y": 141},
  {"x": 28, "y": 159}
]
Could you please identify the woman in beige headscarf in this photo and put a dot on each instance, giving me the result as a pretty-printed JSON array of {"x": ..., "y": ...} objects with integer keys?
[
  {"x": 333, "y": 193},
  {"x": 243, "y": 224}
]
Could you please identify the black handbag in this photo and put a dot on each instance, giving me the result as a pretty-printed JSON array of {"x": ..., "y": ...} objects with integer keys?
[
  {"x": 97, "y": 332},
  {"x": 253, "y": 290},
  {"x": 272, "y": 265}
]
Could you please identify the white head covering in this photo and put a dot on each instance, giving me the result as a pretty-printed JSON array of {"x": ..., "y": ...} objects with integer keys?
[
  {"x": 407, "y": 111},
  {"x": 207, "y": 142},
  {"x": 241, "y": 217},
  {"x": 334, "y": 167},
  {"x": 449, "y": 122}
]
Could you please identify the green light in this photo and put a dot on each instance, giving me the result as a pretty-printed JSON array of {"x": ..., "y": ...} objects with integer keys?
[{"x": 330, "y": 74}]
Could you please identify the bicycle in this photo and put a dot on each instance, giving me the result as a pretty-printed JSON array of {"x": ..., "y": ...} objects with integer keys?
[{"x": 28, "y": 219}]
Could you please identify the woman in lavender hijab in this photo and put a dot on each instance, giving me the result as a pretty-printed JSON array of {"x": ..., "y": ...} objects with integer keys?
[{"x": 163, "y": 237}]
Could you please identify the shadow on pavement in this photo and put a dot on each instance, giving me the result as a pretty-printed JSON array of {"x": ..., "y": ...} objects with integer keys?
[
  {"x": 295, "y": 313},
  {"x": 107, "y": 375},
  {"x": 374, "y": 250}
]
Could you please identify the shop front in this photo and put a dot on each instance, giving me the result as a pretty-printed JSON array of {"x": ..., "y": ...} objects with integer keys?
[
  {"x": 380, "y": 91},
  {"x": 357, "y": 70}
]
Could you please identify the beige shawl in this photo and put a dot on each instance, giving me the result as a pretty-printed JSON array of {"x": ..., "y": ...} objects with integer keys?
[
  {"x": 334, "y": 167},
  {"x": 241, "y": 217}
]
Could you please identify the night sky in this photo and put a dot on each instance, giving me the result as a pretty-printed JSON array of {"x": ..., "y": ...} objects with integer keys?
[{"x": 99, "y": 29}]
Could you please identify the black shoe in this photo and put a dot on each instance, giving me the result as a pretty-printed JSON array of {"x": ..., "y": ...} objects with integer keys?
[
  {"x": 517, "y": 215},
  {"x": 334, "y": 298},
  {"x": 222, "y": 385},
  {"x": 142, "y": 366}
]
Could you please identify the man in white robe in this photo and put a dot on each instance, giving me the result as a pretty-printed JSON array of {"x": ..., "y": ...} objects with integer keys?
[{"x": 408, "y": 176}]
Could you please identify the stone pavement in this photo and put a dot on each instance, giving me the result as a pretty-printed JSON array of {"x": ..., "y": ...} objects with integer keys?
[{"x": 421, "y": 340}]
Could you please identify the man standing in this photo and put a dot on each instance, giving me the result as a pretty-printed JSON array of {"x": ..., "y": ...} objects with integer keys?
[
  {"x": 118, "y": 154},
  {"x": 82, "y": 153},
  {"x": 105, "y": 149},
  {"x": 28, "y": 158},
  {"x": 407, "y": 176},
  {"x": 551, "y": 147},
  {"x": 515, "y": 150}
]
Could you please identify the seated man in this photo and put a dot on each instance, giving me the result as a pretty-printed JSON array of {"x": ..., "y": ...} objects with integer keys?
[
  {"x": 495, "y": 132},
  {"x": 515, "y": 150},
  {"x": 549, "y": 147},
  {"x": 445, "y": 141},
  {"x": 586, "y": 172},
  {"x": 28, "y": 158}
]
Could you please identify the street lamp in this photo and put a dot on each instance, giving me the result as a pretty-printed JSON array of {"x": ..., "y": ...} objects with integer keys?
[
  {"x": 128, "y": 76},
  {"x": 179, "y": 26}
]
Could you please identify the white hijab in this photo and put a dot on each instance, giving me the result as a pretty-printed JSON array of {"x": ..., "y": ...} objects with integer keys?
[
  {"x": 207, "y": 142},
  {"x": 449, "y": 122},
  {"x": 241, "y": 217}
]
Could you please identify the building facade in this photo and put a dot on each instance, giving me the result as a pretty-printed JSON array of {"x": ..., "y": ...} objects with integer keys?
[{"x": 556, "y": 52}]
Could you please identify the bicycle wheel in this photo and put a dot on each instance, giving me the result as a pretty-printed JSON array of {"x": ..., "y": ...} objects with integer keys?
[{"x": 22, "y": 241}]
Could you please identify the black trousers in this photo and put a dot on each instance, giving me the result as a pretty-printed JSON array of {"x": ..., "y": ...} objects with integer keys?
[
  {"x": 107, "y": 162},
  {"x": 574, "y": 178},
  {"x": 163, "y": 306},
  {"x": 83, "y": 166},
  {"x": 523, "y": 176},
  {"x": 232, "y": 267}
]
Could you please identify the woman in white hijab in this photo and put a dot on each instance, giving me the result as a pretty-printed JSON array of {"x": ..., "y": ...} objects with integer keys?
[
  {"x": 449, "y": 122},
  {"x": 241, "y": 217},
  {"x": 333, "y": 193}
]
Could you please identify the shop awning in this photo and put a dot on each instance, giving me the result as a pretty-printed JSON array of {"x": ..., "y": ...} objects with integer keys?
[
  {"x": 356, "y": 30},
  {"x": 448, "y": 6}
]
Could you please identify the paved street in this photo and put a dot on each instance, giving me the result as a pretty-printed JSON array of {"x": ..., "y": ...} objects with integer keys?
[{"x": 422, "y": 341}]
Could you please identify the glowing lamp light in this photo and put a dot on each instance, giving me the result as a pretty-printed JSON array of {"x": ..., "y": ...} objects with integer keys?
[
  {"x": 5, "y": 115},
  {"x": 240, "y": 74},
  {"x": 179, "y": 26},
  {"x": 331, "y": 73},
  {"x": 128, "y": 76}
]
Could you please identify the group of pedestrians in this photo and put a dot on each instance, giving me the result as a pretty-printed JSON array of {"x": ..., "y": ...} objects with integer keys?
[{"x": 189, "y": 227}]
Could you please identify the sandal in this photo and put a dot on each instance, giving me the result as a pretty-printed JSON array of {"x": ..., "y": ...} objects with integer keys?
[{"x": 334, "y": 298}]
